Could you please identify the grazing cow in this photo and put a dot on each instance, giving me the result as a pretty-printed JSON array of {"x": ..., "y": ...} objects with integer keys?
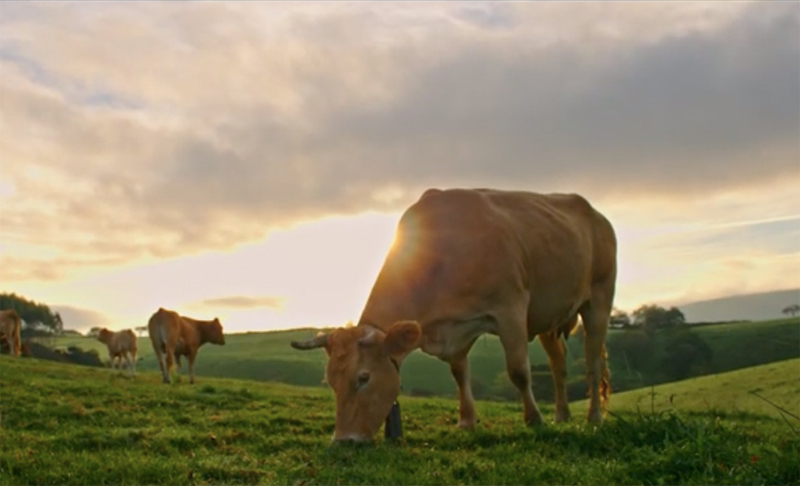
[
  {"x": 174, "y": 335},
  {"x": 121, "y": 345},
  {"x": 466, "y": 262},
  {"x": 10, "y": 324}
]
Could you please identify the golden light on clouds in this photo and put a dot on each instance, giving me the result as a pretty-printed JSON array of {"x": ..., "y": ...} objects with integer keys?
[{"x": 251, "y": 159}]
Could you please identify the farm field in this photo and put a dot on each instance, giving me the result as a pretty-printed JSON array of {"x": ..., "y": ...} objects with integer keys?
[
  {"x": 68, "y": 424},
  {"x": 267, "y": 356}
]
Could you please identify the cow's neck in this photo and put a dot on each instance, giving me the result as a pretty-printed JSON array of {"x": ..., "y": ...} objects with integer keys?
[
  {"x": 396, "y": 360},
  {"x": 388, "y": 304},
  {"x": 202, "y": 327}
]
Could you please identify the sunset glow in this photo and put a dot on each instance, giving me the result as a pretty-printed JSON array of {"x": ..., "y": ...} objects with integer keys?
[{"x": 250, "y": 161}]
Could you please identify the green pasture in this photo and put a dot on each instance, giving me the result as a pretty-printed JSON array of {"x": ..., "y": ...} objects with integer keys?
[
  {"x": 267, "y": 356},
  {"x": 64, "y": 424}
]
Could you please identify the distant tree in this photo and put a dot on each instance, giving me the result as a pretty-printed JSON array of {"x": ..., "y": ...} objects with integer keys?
[
  {"x": 93, "y": 332},
  {"x": 620, "y": 319},
  {"x": 35, "y": 315},
  {"x": 653, "y": 318},
  {"x": 542, "y": 382},
  {"x": 141, "y": 330},
  {"x": 632, "y": 351},
  {"x": 686, "y": 355},
  {"x": 791, "y": 310}
]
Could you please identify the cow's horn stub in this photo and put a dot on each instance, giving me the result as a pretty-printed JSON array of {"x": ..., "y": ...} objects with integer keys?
[{"x": 317, "y": 342}]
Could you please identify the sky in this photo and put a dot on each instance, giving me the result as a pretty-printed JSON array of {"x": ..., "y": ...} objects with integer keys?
[{"x": 249, "y": 161}]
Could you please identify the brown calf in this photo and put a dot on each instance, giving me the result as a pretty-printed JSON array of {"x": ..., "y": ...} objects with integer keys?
[{"x": 121, "y": 345}]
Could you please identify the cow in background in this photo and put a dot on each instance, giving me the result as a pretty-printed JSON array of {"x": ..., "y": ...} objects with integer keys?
[
  {"x": 10, "y": 325},
  {"x": 121, "y": 345},
  {"x": 174, "y": 335}
]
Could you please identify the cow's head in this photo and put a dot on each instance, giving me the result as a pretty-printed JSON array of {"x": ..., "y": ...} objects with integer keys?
[
  {"x": 104, "y": 335},
  {"x": 213, "y": 332},
  {"x": 364, "y": 374}
]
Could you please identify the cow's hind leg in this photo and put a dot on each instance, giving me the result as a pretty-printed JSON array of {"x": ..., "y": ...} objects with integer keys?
[
  {"x": 514, "y": 338},
  {"x": 16, "y": 342},
  {"x": 13, "y": 346},
  {"x": 170, "y": 352},
  {"x": 128, "y": 363},
  {"x": 556, "y": 357},
  {"x": 466, "y": 403},
  {"x": 190, "y": 358},
  {"x": 595, "y": 315},
  {"x": 158, "y": 350},
  {"x": 133, "y": 358}
]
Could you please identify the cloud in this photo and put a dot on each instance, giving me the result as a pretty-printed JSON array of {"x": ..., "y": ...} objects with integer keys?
[
  {"x": 239, "y": 302},
  {"x": 80, "y": 319},
  {"x": 197, "y": 127}
]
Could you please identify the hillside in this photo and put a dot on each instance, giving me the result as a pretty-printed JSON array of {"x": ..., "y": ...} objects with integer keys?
[
  {"x": 745, "y": 307},
  {"x": 269, "y": 357},
  {"x": 778, "y": 382},
  {"x": 68, "y": 424}
]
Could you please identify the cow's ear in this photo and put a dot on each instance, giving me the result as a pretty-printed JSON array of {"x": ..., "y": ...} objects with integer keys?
[{"x": 402, "y": 337}]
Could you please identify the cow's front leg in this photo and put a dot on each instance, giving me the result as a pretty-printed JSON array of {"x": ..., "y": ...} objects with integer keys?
[
  {"x": 514, "y": 338},
  {"x": 556, "y": 357},
  {"x": 466, "y": 403}
]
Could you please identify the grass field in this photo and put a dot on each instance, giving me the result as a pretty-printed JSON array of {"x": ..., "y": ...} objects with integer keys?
[
  {"x": 268, "y": 357},
  {"x": 778, "y": 382},
  {"x": 67, "y": 424}
]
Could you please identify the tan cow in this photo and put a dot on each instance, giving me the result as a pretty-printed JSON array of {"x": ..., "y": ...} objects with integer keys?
[
  {"x": 466, "y": 262},
  {"x": 10, "y": 325},
  {"x": 122, "y": 345},
  {"x": 174, "y": 335}
]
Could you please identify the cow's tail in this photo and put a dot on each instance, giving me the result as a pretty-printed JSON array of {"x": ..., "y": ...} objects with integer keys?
[
  {"x": 605, "y": 384},
  {"x": 170, "y": 356},
  {"x": 156, "y": 331}
]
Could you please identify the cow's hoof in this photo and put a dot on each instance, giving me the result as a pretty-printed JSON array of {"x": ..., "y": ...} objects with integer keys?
[
  {"x": 562, "y": 417},
  {"x": 466, "y": 424},
  {"x": 534, "y": 420}
]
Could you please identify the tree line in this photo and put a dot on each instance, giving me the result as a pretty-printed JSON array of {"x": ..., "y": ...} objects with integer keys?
[{"x": 37, "y": 317}]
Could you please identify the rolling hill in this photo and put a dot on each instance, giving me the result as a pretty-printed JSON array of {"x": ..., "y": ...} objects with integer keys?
[
  {"x": 745, "y": 307},
  {"x": 269, "y": 357},
  {"x": 65, "y": 424}
]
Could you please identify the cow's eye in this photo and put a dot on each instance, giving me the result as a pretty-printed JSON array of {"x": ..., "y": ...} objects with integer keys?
[{"x": 362, "y": 379}]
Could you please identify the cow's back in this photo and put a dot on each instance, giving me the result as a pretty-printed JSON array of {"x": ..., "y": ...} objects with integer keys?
[
  {"x": 461, "y": 250},
  {"x": 567, "y": 247},
  {"x": 162, "y": 325},
  {"x": 128, "y": 341}
]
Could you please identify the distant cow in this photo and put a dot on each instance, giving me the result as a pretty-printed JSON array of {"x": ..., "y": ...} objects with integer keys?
[
  {"x": 468, "y": 262},
  {"x": 121, "y": 345},
  {"x": 10, "y": 324},
  {"x": 175, "y": 335}
]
